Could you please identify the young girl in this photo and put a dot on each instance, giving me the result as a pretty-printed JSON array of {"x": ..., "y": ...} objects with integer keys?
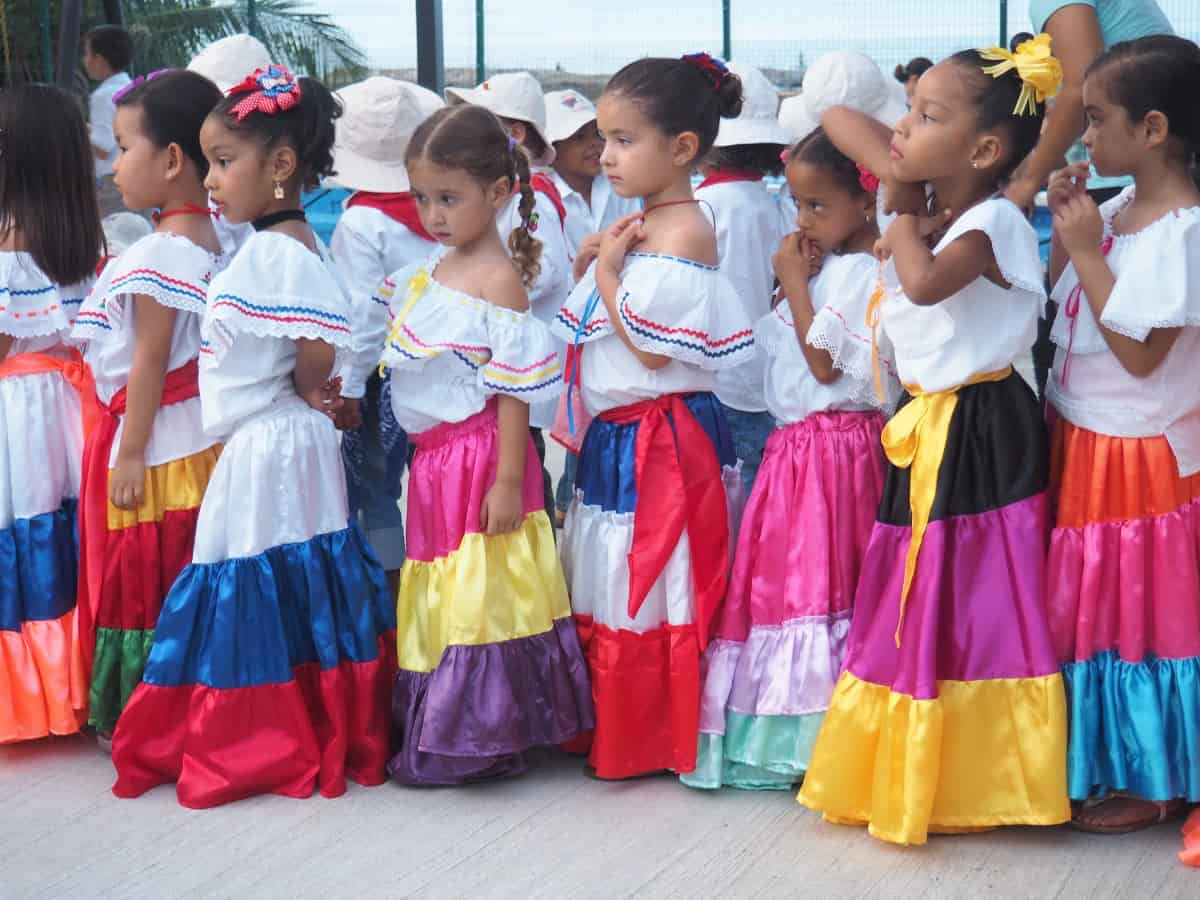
[
  {"x": 146, "y": 464},
  {"x": 271, "y": 661},
  {"x": 1124, "y": 569},
  {"x": 50, "y": 240},
  {"x": 749, "y": 229},
  {"x": 647, "y": 539},
  {"x": 950, "y": 713},
  {"x": 490, "y": 664},
  {"x": 770, "y": 671}
]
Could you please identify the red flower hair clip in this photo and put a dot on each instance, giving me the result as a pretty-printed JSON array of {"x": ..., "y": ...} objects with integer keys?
[
  {"x": 709, "y": 66},
  {"x": 269, "y": 91},
  {"x": 867, "y": 181}
]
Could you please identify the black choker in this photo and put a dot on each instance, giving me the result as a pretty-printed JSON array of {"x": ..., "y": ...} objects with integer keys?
[{"x": 272, "y": 219}]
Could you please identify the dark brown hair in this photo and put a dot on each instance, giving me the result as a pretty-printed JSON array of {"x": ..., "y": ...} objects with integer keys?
[
  {"x": 308, "y": 128},
  {"x": 818, "y": 150},
  {"x": 678, "y": 96},
  {"x": 761, "y": 158},
  {"x": 174, "y": 105},
  {"x": 113, "y": 44},
  {"x": 47, "y": 181},
  {"x": 473, "y": 139},
  {"x": 916, "y": 67},
  {"x": 995, "y": 101}
]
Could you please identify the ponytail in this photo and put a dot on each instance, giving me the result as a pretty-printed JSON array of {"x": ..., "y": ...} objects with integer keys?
[{"x": 526, "y": 250}]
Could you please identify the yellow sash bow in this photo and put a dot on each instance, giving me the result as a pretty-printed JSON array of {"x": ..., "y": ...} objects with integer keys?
[{"x": 915, "y": 439}]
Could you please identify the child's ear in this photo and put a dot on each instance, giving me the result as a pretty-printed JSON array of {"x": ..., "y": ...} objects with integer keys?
[
  {"x": 1155, "y": 129},
  {"x": 685, "y": 149},
  {"x": 176, "y": 160},
  {"x": 986, "y": 152},
  {"x": 284, "y": 163},
  {"x": 499, "y": 192}
]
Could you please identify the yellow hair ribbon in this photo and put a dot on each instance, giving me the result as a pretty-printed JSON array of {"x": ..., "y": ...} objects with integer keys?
[
  {"x": 416, "y": 287},
  {"x": 1041, "y": 73},
  {"x": 915, "y": 439},
  {"x": 874, "y": 306}
]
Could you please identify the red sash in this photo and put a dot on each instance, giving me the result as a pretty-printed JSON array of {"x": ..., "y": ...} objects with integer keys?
[
  {"x": 679, "y": 486},
  {"x": 724, "y": 176},
  {"x": 401, "y": 207},
  {"x": 179, "y": 385},
  {"x": 544, "y": 184}
]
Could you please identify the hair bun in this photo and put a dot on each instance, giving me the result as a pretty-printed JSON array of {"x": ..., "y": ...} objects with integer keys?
[{"x": 729, "y": 95}]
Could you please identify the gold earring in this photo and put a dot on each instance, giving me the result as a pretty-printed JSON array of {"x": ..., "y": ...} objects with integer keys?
[
  {"x": 974, "y": 164},
  {"x": 278, "y": 190}
]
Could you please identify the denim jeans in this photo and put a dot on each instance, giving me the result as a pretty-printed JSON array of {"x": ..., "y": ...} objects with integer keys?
[
  {"x": 566, "y": 485},
  {"x": 750, "y": 432},
  {"x": 374, "y": 457}
]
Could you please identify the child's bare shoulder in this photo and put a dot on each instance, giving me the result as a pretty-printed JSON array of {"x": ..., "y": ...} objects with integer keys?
[
  {"x": 503, "y": 288},
  {"x": 691, "y": 237}
]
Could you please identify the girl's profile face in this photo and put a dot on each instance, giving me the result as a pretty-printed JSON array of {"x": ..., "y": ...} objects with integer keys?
[
  {"x": 1110, "y": 137},
  {"x": 579, "y": 155},
  {"x": 825, "y": 211},
  {"x": 139, "y": 168},
  {"x": 935, "y": 137},
  {"x": 637, "y": 156},
  {"x": 239, "y": 178},
  {"x": 454, "y": 206}
]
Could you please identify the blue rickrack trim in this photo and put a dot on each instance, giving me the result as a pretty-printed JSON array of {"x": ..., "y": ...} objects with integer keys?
[{"x": 678, "y": 259}]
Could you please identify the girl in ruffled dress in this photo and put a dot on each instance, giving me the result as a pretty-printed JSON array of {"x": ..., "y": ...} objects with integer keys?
[
  {"x": 490, "y": 663},
  {"x": 49, "y": 243},
  {"x": 647, "y": 541},
  {"x": 272, "y": 658},
  {"x": 781, "y": 639},
  {"x": 146, "y": 464},
  {"x": 1124, "y": 569},
  {"x": 950, "y": 713}
]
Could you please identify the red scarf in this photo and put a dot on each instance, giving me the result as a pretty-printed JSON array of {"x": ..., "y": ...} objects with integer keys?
[
  {"x": 544, "y": 184},
  {"x": 179, "y": 385},
  {"x": 678, "y": 478},
  {"x": 724, "y": 176},
  {"x": 400, "y": 208}
]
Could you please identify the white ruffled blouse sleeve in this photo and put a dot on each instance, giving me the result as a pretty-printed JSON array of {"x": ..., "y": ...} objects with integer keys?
[
  {"x": 1158, "y": 285},
  {"x": 170, "y": 269},
  {"x": 277, "y": 287},
  {"x": 583, "y": 318},
  {"x": 524, "y": 361},
  {"x": 1014, "y": 242},
  {"x": 685, "y": 310},
  {"x": 31, "y": 305}
]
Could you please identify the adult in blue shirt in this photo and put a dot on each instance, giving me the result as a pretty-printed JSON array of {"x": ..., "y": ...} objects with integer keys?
[{"x": 1080, "y": 30}]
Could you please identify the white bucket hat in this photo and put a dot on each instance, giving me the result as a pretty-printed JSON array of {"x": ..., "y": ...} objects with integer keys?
[
  {"x": 378, "y": 119},
  {"x": 124, "y": 229},
  {"x": 848, "y": 78},
  {"x": 794, "y": 118},
  {"x": 512, "y": 95},
  {"x": 567, "y": 112},
  {"x": 228, "y": 61},
  {"x": 757, "y": 123}
]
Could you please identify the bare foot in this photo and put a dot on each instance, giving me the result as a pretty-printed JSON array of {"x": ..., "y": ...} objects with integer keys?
[{"x": 1122, "y": 814}]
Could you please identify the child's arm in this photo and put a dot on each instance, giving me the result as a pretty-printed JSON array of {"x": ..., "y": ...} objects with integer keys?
[
  {"x": 6, "y": 342},
  {"x": 1080, "y": 228},
  {"x": 868, "y": 142},
  {"x": 613, "y": 246},
  {"x": 793, "y": 263},
  {"x": 928, "y": 279},
  {"x": 311, "y": 376},
  {"x": 151, "y": 354}
]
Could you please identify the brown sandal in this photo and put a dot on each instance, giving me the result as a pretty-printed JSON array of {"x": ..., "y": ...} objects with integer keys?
[{"x": 1156, "y": 812}]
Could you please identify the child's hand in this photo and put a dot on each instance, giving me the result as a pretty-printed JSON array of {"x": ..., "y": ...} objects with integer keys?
[
  {"x": 127, "y": 482},
  {"x": 349, "y": 416},
  {"x": 797, "y": 260},
  {"x": 882, "y": 249},
  {"x": 902, "y": 197},
  {"x": 617, "y": 240},
  {"x": 327, "y": 398},
  {"x": 1079, "y": 225},
  {"x": 589, "y": 249},
  {"x": 502, "y": 508},
  {"x": 1065, "y": 184}
]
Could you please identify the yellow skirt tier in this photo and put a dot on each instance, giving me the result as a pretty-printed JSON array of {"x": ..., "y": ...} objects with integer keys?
[{"x": 974, "y": 757}]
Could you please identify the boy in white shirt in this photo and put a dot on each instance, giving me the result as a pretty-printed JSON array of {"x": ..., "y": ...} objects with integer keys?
[{"x": 107, "y": 53}]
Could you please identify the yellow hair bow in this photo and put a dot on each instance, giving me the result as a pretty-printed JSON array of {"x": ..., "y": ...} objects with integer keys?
[{"x": 1041, "y": 73}]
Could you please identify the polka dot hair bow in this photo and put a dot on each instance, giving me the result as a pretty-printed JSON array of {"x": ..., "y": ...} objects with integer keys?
[{"x": 269, "y": 91}]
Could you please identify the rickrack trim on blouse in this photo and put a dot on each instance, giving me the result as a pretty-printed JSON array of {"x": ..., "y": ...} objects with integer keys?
[
  {"x": 688, "y": 338},
  {"x": 284, "y": 315}
]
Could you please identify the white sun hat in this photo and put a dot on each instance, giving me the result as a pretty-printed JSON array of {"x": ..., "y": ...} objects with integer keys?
[
  {"x": 757, "y": 123},
  {"x": 122, "y": 230},
  {"x": 566, "y": 112},
  {"x": 379, "y": 116},
  {"x": 794, "y": 118},
  {"x": 848, "y": 78},
  {"x": 511, "y": 95},
  {"x": 228, "y": 61}
]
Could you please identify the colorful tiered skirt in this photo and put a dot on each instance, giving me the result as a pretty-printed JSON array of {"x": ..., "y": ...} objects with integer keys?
[
  {"x": 781, "y": 639},
  {"x": 43, "y": 685},
  {"x": 490, "y": 665},
  {"x": 645, "y": 664},
  {"x": 1124, "y": 587},
  {"x": 273, "y": 656},
  {"x": 950, "y": 714}
]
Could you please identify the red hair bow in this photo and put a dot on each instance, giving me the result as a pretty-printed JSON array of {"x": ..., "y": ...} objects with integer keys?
[
  {"x": 269, "y": 91},
  {"x": 710, "y": 67},
  {"x": 866, "y": 180}
]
